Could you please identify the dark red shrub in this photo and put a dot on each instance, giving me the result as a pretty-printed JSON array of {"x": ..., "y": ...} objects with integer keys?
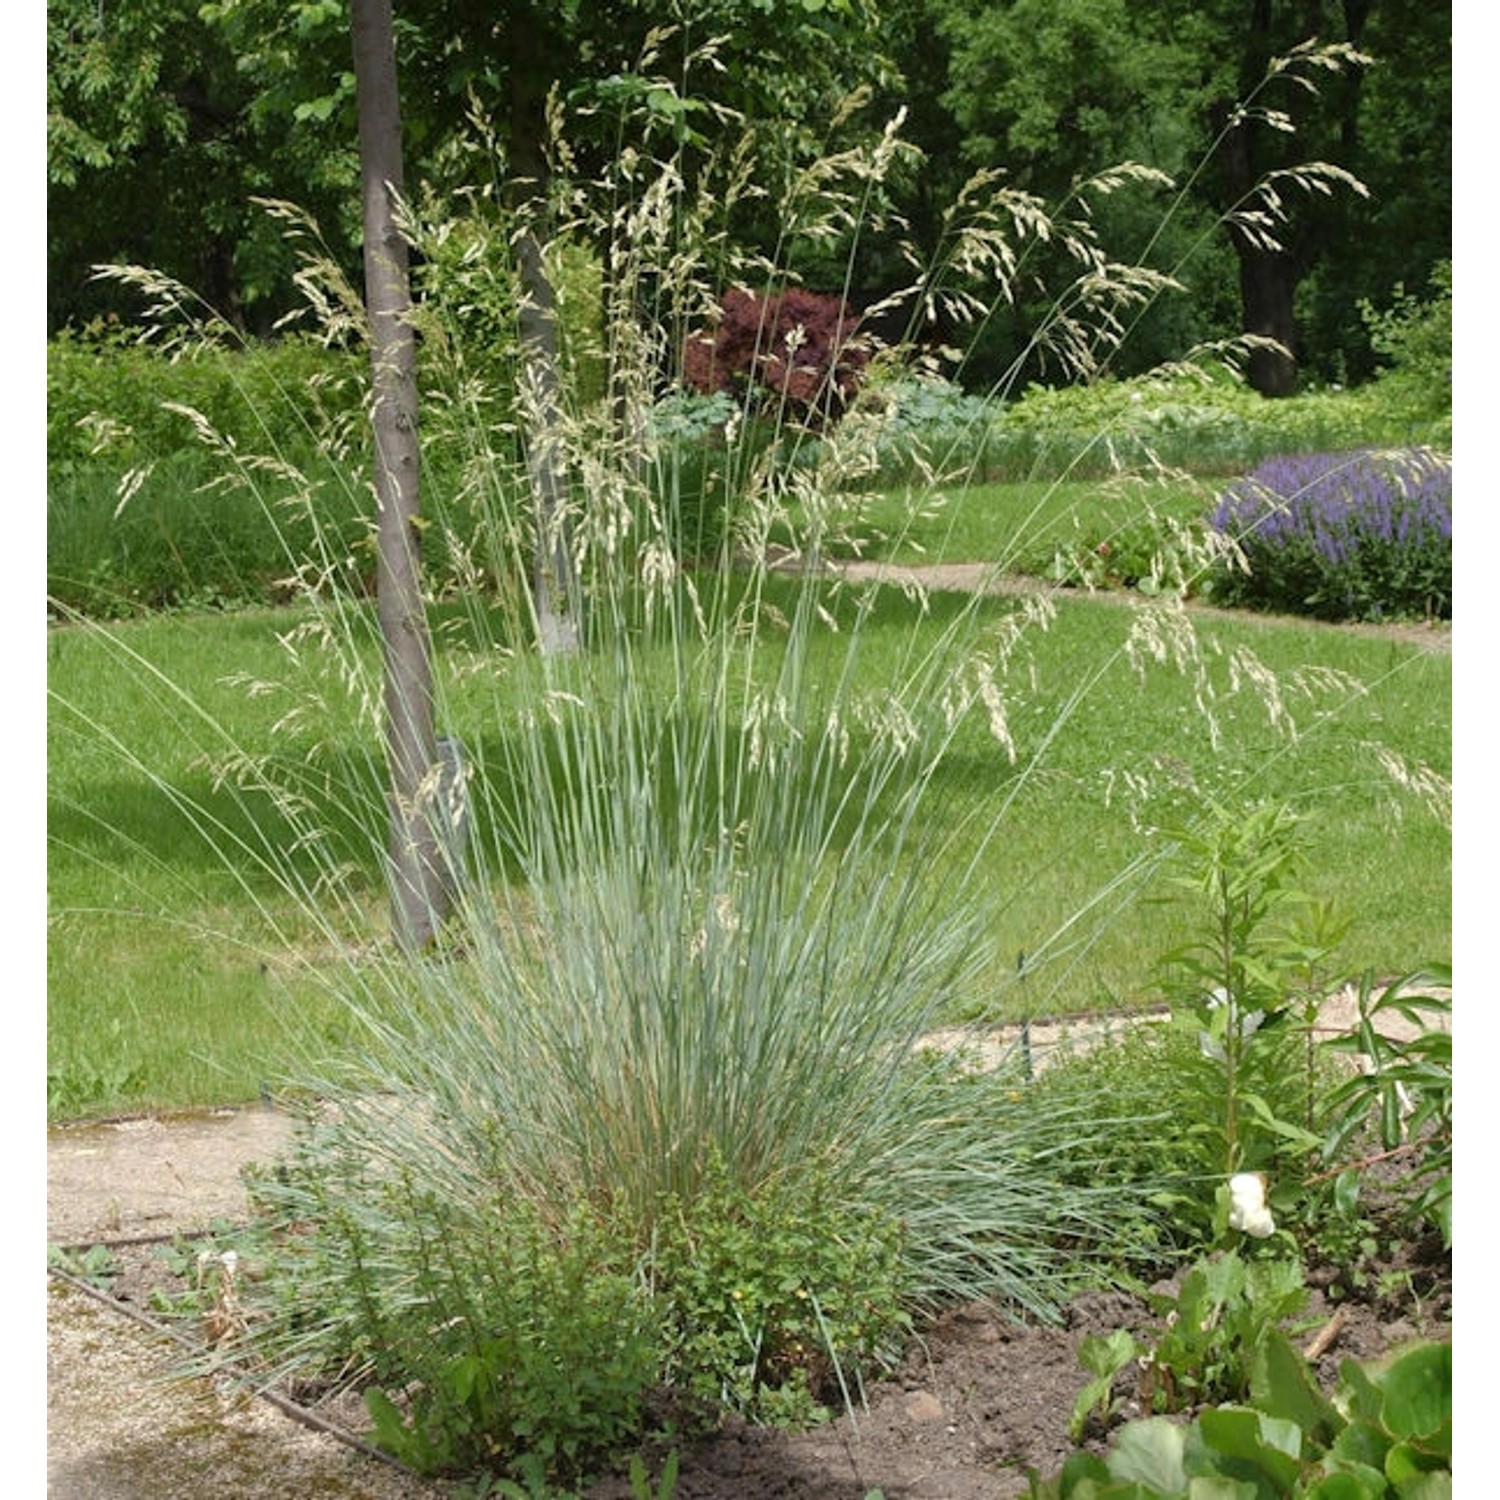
[{"x": 796, "y": 348}]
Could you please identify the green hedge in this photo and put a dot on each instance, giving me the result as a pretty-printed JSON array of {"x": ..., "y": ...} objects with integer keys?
[
  {"x": 185, "y": 537},
  {"x": 140, "y": 513}
]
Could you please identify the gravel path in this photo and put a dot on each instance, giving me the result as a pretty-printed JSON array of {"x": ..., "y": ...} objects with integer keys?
[{"x": 121, "y": 1423}]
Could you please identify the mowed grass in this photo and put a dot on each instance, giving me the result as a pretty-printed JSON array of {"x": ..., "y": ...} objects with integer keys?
[
  {"x": 192, "y": 957},
  {"x": 170, "y": 926},
  {"x": 1021, "y": 526}
]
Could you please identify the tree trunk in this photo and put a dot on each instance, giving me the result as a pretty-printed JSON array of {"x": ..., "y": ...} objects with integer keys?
[
  {"x": 1268, "y": 290},
  {"x": 1268, "y": 276},
  {"x": 420, "y": 894}
]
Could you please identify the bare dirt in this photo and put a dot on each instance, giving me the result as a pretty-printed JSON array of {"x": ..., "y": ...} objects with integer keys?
[
  {"x": 970, "y": 578},
  {"x": 978, "y": 1399}
]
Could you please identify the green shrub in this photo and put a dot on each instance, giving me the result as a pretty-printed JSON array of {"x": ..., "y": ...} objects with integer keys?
[
  {"x": 240, "y": 476},
  {"x": 1142, "y": 1075},
  {"x": 1212, "y": 1328},
  {"x": 485, "y": 1337},
  {"x": 186, "y": 540},
  {"x": 921, "y": 429},
  {"x": 1235, "y": 1065},
  {"x": 924, "y": 428},
  {"x": 149, "y": 508},
  {"x": 1198, "y": 421},
  {"x": 1154, "y": 554},
  {"x": 290, "y": 410},
  {"x": 1414, "y": 339},
  {"x": 780, "y": 1300},
  {"x": 1398, "y": 1099},
  {"x": 1247, "y": 986},
  {"x": 435, "y": 1247},
  {"x": 108, "y": 398}
]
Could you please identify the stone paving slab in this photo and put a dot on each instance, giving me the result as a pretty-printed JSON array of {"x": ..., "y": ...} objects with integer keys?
[{"x": 158, "y": 1175}]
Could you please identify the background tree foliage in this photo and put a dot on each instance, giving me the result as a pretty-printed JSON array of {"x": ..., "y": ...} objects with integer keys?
[
  {"x": 165, "y": 120},
  {"x": 1054, "y": 88},
  {"x": 158, "y": 139}
]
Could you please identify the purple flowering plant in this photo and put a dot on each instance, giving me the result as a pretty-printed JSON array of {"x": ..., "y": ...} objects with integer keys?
[{"x": 1363, "y": 535}]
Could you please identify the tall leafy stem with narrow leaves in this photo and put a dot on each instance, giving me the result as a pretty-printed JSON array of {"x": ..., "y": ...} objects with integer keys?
[{"x": 1250, "y": 986}]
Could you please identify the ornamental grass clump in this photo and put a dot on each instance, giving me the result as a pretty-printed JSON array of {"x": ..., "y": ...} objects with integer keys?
[
  {"x": 1362, "y": 535},
  {"x": 656, "y": 1102}
]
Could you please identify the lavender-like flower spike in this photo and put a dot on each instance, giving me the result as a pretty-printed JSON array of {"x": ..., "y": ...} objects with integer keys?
[{"x": 1358, "y": 535}]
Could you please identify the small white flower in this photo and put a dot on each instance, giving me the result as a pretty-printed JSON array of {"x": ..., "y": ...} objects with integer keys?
[{"x": 1248, "y": 1211}]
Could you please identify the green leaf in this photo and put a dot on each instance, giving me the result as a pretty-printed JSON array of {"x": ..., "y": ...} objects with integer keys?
[
  {"x": 1107, "y": 1354},
  {"x": 1288, "y": 1130},
  {"x": 464, "y": 1375},
  {"x": 1346, "y": 1192},
  {"x": 1212, "y": 1283},
  {"x": 664, "y": 102},
  {"x": 1418, "y": 1391},
  {"x": 1349, "y": 1484},
  {"x": 1221, "y": 1487},
  {"x": 1361, "y": 1445},
  {"x": 1150, "y": 1452},
  {"x": 1358, "y": 1395},
  {"x": 1104, "y": 1357},
  {"x": 315, "y": 109},
  {"x": 1437, "y": 1204},
  {"x": 1406, "y": 1465},
  {"x": 1282, "y": 1384},
  {"x": 1081, "y": 1473},
  {"x": 391, "y": 1431},
  {"x": 1437, "y": 1485},
  {"x": 1269, "y": 1444}
]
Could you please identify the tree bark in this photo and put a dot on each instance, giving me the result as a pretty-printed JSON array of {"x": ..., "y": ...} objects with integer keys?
[
  {"x": 419, "y": 883},
  {"x": 1269, "y": 277},
  {"x": 1268, "y": 293}
]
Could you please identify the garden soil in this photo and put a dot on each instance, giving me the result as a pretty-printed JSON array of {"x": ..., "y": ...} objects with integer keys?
[{"x": 977, "y": 1401}]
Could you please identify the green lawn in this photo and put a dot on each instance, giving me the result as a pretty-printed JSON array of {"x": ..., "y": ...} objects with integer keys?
[
  {"x": 1021, "y": 526},
  {"x": 172, "y": 926}
]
